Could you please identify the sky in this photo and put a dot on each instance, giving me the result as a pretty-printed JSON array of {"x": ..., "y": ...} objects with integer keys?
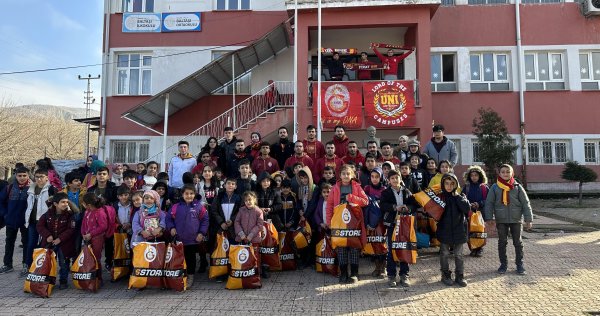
[{"x": 39, "y": 34}]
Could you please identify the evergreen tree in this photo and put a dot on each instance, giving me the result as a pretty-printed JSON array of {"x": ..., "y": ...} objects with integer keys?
[
  {"x": 575, "y": 172},
  {"x": 495, "y": 144}
]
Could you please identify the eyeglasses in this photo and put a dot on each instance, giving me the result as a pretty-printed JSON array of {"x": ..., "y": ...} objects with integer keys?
[{"x": 40, "y": 177}]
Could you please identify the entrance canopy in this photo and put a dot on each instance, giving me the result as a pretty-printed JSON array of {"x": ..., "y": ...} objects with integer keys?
[{"x": 211, "y": 77}]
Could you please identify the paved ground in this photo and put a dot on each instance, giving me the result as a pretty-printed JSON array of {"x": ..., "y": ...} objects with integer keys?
[{"x": 564, "y": 273}]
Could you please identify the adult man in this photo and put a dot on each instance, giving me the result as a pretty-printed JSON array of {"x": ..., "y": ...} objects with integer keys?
[
  {"x": 364, "y": 60},
  {"x": 391, "y": 63},
  {"x": 180, "y": 164},
  {"x": 335, "y": 67},
  {"x": 330, "y": 159},
  {"x": 264, "y": 162},
  {"x": 13, "y": 204},
  {"x": 387, "y": 154},
  {"x": 313, "y": 148},
  {"x": 440, "y": 147},
  {"x": 372, "y": 149},
  {"x": 340, "y": 140},
  {"x": 402, "y": 150},
  {"x": 234, "y": 161},
  {"x": 283, "y": 149},
  {"x": 103, "y": 188},
  {"x": 299, "y": 156},
  {"x": 354, "y": 156}
]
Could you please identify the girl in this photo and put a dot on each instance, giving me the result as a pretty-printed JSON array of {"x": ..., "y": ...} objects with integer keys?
[
  {"x": 347, "y": 190},
  {"x": 249, "y": 223},
  {"x": 149, "y": 179},
  {"x": 163, "y": 193},
  {"x": 507, "y": 202},
  {"x": 217, "y": 154},
  {"x": 374, "y": 191},
  {"x": 444, "y": 167},
  {"x": 452, "y": 230},
  {"x": 149, "y": 222},
  {"x": 418, "y": 173},
  {"x": 277, "y": 179},
  {"x": 94, "y": 226},
  {"x": 53, "y": 177},
  {"x": 268, "y": 199},
  {"x": 476, "y": 190},
  {"x": 117, "y": 174},
  {"x": 430, "y": 172},
  {"x": 188, "y": 220},
  {"x": 254, "y": 148},
  {"x": 208, "y": 187}
]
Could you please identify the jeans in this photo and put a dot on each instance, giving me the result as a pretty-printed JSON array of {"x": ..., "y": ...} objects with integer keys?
[
  {"x": 515, "y": 229},
  {"x": 32, "y": 242},
  {"x": 109, "y": 250},
  {"x": 63, "y": 263},
  {"x": 459, "y": 266},
  {"x": 11, "y": 238},
  {"x": 391, "y": 265},
  {"x": 189, "y": 251}
]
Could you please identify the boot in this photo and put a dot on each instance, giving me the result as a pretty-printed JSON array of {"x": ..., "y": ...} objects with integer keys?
[
  {"x": 265, "y": 272},
  {"x": 203, "y": 264},
  {"x": 382, "y": 272},
  {"x": 460, "y": 279},
  {"x": 353, "y": 274},
  {"x": 190, "y": 281},
  {"x": 343, "y": 273},
  {"x": 447, "y": 278},
  {"x": 377, "y": 271},
  {"x": 404, "y": 281}
]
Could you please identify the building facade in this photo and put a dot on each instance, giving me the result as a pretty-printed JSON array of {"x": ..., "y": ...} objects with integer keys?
[{"x": 466, "y": 57}]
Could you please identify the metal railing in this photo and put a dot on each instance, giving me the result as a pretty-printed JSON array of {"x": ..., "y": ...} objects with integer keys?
[{"x": 279, "y": 94}]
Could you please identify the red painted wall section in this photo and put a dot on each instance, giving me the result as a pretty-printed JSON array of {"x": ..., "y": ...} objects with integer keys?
[
  {"x": 216, "y": 30},
  {"x": 562, "y": 112},
  {"x": 115, "y": 125},
  {"x": 558, "y": 24},
  {"x": 473, "y": 25},
  {"x": 551, "y": 173},
  {"x": 456, "y": 111}
]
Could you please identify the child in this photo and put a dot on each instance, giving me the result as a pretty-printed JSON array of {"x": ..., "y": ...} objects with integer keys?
[
  {"x": 318, "y": 209},
  {"x": 409, "y": 182},
  {"x": 218, "y": 173},
  {"x": 39, "y": 192},
  {"x": 305, "y": 189},
  {"x": 452, "y": 229},
  {"x": 430, "y": 171},
  {"x": 162, "y": 189},
  {"x": 394, "y": 200},
  {"x": 94, "y": 226},
  {"x": 268, "y": 200},
  {"x": 444, "y": 167},
  {"x": 277, "y": 179},
  {"x": 124, "y": 209},
  {"x": 75, "y": 194},
  {"x": 102, "y": 187},
  {"x": 117, "y": 174},
  {"x": 188, "y": 220},
  {"x": 476, "y": 190},
  {"x": 149, "y": 178},
  {"x": 224, "y": 210},
  {"x": 374, "y": 191},
  {"x": 328, "y": 176},
  {"x": 149, "y": 222},
  {"x": 57, "y": 228},
  {"x": 207, "y": 186},
  {"x": 130, "y": 179},
  {"x": 416, "y": 172},
  {"x": 288, "y": 216},
  {"x": 347, "y": 190},
  {"x": 249, "y": 224},
  {"x": 507, "y": 202},
  {"x": 136, "y": 201},
  {"x": 244, "y": 181}
]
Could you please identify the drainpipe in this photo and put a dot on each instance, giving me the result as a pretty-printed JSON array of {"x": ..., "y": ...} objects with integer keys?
[
  {"x": 319, "y": 72},
  {"x": 295, "y": 70},
  {"x": 520, "y": 65},
  {"x": 106, "y": 58},
  {"x": 165, "y": 132}
]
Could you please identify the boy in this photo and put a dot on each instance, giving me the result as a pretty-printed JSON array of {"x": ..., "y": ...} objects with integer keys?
[
  {"x": 129, "y": 181},
  {"x": 224, "y": 209},
  {"x": 244, "y": 182},
  {"x": 75, "y": 194},
  {"x": 394, "y": 200},
  {"x": 409, "y": 182},
  {"x": 289, "y": 209},
  {"x": 452, "y": 230},
  {"x": 39, "y": 192},
  {"x": 57, "y": 227},
  {"x": 13, "y": 204},
  {"x": 508, "y": 203},
  {"x": 328, "y": 176},
  {"x": 103, "y": 188},
  {"x": 416, "y": 171}
]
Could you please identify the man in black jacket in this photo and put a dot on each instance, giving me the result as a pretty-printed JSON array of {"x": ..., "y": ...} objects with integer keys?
[{"x": 283, "y": 149}]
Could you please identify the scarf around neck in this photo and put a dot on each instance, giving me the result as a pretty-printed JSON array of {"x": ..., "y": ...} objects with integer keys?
[
  {"x": 150, "y": 210},
  {"x": 506, "y": 186}
]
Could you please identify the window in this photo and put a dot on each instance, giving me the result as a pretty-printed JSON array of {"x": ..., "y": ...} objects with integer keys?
[
  {"x": 489, "y": 72},
  {"x": 548, "y": 151},
  {"x": 476, "y": 147},
  {"x": 456, "y": 142},
  {"x": 138, "y": 5},
  {"x": 443, "y": 72},
  {"x": 130, "y": 151},
  {"x": 541, "y": 1},
  {"x": 448, "y": 2},
  {"x": 591, "y": 148},
  {"x": 134, "y": 73},
  {"x": 487, "y": 1},
  {"x": 544, "y": 71},
  {"x": 233, "y": 4},
  {"x": 242, "y": 83},
  {"x": 589, "y": 63}
]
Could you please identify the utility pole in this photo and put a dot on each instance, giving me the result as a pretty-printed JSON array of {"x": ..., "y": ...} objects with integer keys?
[{"x": 89, "y": 100}]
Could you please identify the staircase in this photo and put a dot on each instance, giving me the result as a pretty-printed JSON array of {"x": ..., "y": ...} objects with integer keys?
[{"x": 271, "y": 104}]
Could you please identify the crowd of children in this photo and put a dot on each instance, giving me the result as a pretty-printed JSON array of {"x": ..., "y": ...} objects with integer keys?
[{"x": 234, "y": 189}]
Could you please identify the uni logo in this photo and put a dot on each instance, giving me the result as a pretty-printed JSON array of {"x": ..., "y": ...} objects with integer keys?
[
  {"x": 150, "y": 253},
  {"x": 243, "y": 256},
  {"x": 346, "y": 216},
  {"x": 40, "y": 260}
]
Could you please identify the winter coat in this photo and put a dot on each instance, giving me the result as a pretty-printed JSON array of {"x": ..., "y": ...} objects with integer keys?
[
  {"x": 94, "y": 223},
  {"x": 289, "y": 209},
  {"x": 388, "y": 204},
  {"x": 41, "y": 207},
  {"x": 269, "y": 199},
  {"x": 476, "y": 193},
  {"x": 189, "y": 220},
  {"x": 137, "y": 225},
  {"x": 249, "y": 222},
  {"x": 227, "y": 149},
  {"x": 243, "y": 185},
  {"x": 411, "y": 183},
  {"x": 341, "y": 146},
  {"x": 517, "y": 209},
  {"x": 357, "y": 197},
  {"x": 452, "y": 226},
  {"x": 217, "y": 216},
  {"x": 177, "y": 167},
  {"x": 13, "y": 204},
  {"x": 58, "y": 226},
  {"x": 110, "y": 193},
  {"x": 54, "y": 180},
  {"x": 282, "y": 150},
  {"x": 447, "y": 152},
  {"x": 233, "y": 163}
]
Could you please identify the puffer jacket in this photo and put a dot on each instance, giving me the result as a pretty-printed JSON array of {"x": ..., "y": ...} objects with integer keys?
[
  {"x": 452, "y": 227},
  {"x": 60, "y": 226},
  {"x": 249, "y": 222},
  {"x": 517, "y": 209}
]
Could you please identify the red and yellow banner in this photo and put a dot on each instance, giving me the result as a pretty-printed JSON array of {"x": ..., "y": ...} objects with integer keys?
[
  {"x": 389, "y": 103},
  {"x": 341, "y": 103},
  {"x": 342, "y": 51}
]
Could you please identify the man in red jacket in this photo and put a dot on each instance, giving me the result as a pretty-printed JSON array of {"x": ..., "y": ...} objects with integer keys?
[
  {"x": 354, "y": 156},
  {"x": 340, "y": 140},
  {"x": 313, "y": 148},
  {"x": 387, "y": 154},
  {"x": 330, "y": 159},
  {"x": 299, "y": 156},
  {"x": 391, "y": 62},
  {"x": 264, "y": 162}
]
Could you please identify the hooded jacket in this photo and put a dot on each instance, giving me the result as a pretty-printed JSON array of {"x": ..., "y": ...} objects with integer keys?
[
  {"x": 178, "y": 166},
  {"x": 452, "y": 227},
  {"x": 518, "y": 208},
  {"x": 476, "y": 192},
  {"x": 282, "y": 150},
  {"x": 341, "y": 146},
  {"x": 357, "y": 197},
  {"x": 189, "y": 220},
  {"x": 249, "y": 223},
  {"x": 41, "y": 206},
  {"x": 388, "y": 204},
  {"x": 267, "y": 198},
  {"x": 217, "y": 216}
]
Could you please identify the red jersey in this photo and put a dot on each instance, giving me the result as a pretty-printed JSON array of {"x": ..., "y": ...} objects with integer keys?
[
  {"x": 304, "y": 160},
  {"x": 358, "y": 160},
  {"x": 315, "y": 150},
  {"x": 335, "y": 162},
  {"x": 341, "y": 145},
  {"x": 391, "y": 63},
  {"x": 392, "y": 159},
  {"x": 261, "y": 164}
]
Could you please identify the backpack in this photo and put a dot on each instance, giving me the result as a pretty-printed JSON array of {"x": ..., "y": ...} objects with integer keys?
[{"x": 111, "y": 215}]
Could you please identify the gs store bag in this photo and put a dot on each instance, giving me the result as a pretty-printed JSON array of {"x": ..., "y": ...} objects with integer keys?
[
  {"x": 269, "y": 247},
  {"x": 376, "y": 241},
  {"x": 84, "y": 270},
  {"x": 175, "y": 267},
  {"x": 346, "y": 227},
  {"x": 477, "y": 234},
  {"x": 287, "y": 253},
  {"x": 148, "y": 265},
  {"x": 302, "y": 235},
  {"x": 121, "y": 257},
  {"x": 244, "y": 268},
  {"x": 404, "y": 240},
  {"x": 219, "y": 259},
  {"x": 325, "y": 257},
  {"x": 42, "y": 274}
]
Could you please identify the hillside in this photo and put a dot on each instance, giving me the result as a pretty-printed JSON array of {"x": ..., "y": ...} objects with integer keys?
[{"x": 63, "y": 112}]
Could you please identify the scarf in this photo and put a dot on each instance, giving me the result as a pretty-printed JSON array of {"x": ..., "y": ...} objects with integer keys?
[
  {"x": 186, "y": 156},
  {"x": 26, "y": 184},
  {"x": 150, "y": 210},
  {"x": 383, "y": 45},
  {"x": 438, "y": 146},
  {"x": 506, "y": 186},
  {"x": 240, "y": 155}
]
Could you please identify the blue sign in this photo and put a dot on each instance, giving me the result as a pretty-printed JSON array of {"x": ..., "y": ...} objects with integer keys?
[
  {"x": 181, "y": 22},
  {"x": 141, "y": 22}
]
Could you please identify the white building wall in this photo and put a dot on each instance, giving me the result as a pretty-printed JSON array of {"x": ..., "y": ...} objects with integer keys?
[{"x": 199, "y": 5}]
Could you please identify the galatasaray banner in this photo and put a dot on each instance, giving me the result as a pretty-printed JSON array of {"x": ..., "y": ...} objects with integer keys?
[
  {"x": 389, "y": 103},
  {"x": 341, "y": 104}
]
